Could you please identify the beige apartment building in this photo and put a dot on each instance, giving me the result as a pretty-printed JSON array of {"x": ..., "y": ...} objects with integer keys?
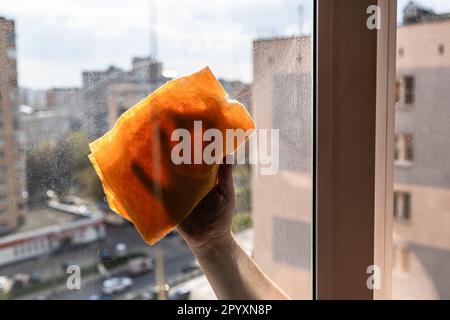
[
  {"x": 12, "y": 166},
  {"x": 282, "y": 203},
  {"x": 281, "y": 206},
  {"x": 109, "y": 93},
  {"x": 123, "y": 95},
  {"x": 422, "y": 168}
]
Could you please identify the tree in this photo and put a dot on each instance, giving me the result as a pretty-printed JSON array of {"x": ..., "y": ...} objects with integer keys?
[{"x": 62, "y": 166}]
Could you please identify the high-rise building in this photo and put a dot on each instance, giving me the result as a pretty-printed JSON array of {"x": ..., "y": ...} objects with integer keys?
[
  {"x": 107, "y": 94},
  {"x": 12, "y": 164}
]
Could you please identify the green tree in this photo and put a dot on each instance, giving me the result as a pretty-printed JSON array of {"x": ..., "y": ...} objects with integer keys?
[{"x": 63, "y": 167}]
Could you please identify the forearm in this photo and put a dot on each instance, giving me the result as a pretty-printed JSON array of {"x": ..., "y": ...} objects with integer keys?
[{"x": 233, "y": 274}]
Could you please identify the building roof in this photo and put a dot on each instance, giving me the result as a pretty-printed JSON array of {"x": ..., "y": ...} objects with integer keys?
[
  {"x": 43, "y": 222},
  {"x": 282, "y": 38},
  {"x": 414, "y": 13},
  {"x": 44, "y": 217}
]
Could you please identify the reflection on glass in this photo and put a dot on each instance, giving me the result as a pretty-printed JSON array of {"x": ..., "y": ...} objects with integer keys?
[
  {"x": 282, "y": 202},
  {"x": 421, "y": 253}
]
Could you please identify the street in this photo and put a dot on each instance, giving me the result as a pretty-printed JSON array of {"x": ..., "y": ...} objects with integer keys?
[{"x": 177, "y": 257}]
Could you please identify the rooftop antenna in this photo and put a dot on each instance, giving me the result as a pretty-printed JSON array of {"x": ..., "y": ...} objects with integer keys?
[
  {"x": 301, "y": 10},
  {"x": 153, "y": 32}
]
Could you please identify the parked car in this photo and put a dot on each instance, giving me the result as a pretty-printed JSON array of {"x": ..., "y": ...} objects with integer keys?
[
  {"x": 65, "y": 265},
  {"x": 116, "y": 285},
  {"x": 35, "y": 277},
  {"x": 105, "y": 255},
  {"x": 121, "y": 250},
  {"x": 152, "y": 294},
  {"x": 6, "y": 284},
  {"x": 100, "y": 297},
  {"x": 139, "y": 266},
  {"x": 21, "y": 280},
  {"x": 180, "y": 294},
  {"x": 192, "y": 266}
]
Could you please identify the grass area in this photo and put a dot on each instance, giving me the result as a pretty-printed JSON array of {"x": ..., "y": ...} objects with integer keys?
[
  {"x": 122, "y": 260},
  {"x": 241, "y": 221},
  {"x": 85, "y": 271}
]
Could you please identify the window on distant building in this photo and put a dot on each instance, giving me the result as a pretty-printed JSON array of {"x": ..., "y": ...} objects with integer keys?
[
  {"x": 398, "y": 90},
  {"x": 12, "y": 39},
  {"x": 402, "y": 206},
  {"x": 405, "y": 91},
  {"x": 403, "y": 153},
  {"x": 401, "y": 259},
  {"x": 409, "y": 90},
  {"x": 401, "y": 52},
  {"x": 441, "y": 49}
]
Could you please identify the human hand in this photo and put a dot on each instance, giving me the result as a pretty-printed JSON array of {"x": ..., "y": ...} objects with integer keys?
[{"x": 209, "y": 224}]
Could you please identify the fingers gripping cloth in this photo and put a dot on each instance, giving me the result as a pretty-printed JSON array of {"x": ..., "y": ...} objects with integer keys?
[{"x": 134, "y": 160}]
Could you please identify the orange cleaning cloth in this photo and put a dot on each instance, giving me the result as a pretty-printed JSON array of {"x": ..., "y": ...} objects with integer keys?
[{"x": 134, "y": 160}]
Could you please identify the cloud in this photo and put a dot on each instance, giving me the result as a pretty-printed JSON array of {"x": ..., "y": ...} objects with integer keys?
[
  {"x": 87, "y": 34},
  {"x": 74, "y": 35}
]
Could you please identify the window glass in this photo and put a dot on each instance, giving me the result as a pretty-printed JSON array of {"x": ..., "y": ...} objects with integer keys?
[
  {"x": 70, "y": 68},
  {"x": 422, "y": 174}
]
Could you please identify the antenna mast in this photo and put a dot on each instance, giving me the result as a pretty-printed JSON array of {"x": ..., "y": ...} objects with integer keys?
[
  {"x": 300, "y": 19},
  {"x": 153, "y": 31}
]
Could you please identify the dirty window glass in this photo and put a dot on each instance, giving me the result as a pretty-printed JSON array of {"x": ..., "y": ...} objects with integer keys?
[{"x": 69, "y": 69}]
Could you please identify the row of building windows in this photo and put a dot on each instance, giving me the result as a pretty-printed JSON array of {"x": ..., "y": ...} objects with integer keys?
[
  {"x": 403, "y": 149},
  {"x": 440, "y": 50},
  {"x": 401, "y": 259},
  {"x": 402, "y": 206},
  {"x": 31, "y": 247}
]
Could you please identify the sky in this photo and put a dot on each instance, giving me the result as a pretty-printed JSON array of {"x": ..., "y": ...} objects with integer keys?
[{"x": 58, "y": 39}]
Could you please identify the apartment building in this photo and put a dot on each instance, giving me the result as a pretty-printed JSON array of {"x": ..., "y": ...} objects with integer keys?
[
  {"x": 422, "y": 151},
  {"x": 282, "y": 203},
  {"x": 12, "y": 164},
  {"x": 107, "y": 94},
  {"x": 120, "y": 96}
]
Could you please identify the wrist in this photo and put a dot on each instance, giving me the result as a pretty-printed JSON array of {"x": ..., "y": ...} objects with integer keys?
[{"x": 215, "y": 246}]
